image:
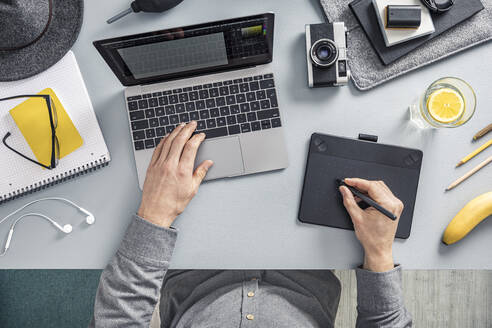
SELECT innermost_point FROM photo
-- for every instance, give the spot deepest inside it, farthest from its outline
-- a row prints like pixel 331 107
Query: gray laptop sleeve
pixel 367 69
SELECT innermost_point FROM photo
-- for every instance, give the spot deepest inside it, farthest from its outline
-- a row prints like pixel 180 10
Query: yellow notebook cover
pixel 32 119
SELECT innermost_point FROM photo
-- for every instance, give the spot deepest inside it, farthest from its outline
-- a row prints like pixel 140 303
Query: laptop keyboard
pixel 221 109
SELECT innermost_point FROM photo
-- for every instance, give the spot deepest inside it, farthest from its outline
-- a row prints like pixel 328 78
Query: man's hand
pixel 170 183
pixel 374 230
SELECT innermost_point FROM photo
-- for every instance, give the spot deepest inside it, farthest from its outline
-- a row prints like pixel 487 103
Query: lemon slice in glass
pixel 445 105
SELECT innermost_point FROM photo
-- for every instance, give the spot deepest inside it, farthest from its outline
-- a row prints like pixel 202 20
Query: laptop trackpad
pixel 226 155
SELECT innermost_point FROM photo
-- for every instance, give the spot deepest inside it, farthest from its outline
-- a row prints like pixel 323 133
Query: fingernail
pixel 193 122
pixel 182 124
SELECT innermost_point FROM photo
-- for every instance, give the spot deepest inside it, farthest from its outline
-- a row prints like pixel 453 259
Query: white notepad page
pixel 18 175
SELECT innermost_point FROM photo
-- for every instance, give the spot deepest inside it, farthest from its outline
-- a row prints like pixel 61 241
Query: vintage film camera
pixel 326 49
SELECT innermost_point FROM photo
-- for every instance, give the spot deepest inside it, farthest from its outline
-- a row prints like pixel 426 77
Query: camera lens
pixel 324 52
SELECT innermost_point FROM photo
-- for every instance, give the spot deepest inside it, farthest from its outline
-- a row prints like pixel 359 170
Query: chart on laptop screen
pixel 175 55
pixel 180 50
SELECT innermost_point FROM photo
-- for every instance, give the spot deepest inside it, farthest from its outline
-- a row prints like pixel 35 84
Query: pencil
pixel 475 153
pixel 482 132
pixel 469 174
pixel 368 200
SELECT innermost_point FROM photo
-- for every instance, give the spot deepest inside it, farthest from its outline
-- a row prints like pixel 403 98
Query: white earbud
pixel 90 219
pixel 67 228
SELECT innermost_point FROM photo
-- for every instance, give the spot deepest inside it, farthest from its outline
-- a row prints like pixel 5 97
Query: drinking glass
pixel 447 103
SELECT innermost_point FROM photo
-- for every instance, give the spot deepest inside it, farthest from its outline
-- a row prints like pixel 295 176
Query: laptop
pixel 218 74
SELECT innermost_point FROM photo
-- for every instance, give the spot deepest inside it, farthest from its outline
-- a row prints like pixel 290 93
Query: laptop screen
pixel 187 51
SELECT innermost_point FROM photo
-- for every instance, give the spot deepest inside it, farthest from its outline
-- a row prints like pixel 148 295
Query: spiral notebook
pixel 19 176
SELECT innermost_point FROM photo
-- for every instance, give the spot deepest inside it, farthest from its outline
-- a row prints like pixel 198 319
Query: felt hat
pixel 35 34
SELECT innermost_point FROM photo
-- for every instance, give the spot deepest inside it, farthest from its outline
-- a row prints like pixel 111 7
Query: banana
pixel 468 218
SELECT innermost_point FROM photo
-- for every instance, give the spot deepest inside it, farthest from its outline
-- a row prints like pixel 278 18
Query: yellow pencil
pixel 470 173
pixel 473 154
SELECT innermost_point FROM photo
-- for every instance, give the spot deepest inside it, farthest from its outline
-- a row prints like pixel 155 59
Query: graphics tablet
pixel 332 157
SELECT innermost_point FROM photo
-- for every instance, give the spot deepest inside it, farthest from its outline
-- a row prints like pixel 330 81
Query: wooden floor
pixel 444 298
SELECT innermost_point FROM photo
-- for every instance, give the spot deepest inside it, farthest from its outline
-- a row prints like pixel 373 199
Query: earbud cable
pixel 37 201
pixel 30 214
pixel 11 230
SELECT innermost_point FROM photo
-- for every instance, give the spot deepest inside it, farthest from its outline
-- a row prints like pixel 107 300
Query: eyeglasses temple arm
pixel 4 140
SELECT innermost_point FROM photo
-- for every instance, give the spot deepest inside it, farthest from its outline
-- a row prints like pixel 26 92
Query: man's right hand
pixel 171 183
pixel 374 230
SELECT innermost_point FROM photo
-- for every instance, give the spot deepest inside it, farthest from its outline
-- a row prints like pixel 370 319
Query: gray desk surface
pixel 251 222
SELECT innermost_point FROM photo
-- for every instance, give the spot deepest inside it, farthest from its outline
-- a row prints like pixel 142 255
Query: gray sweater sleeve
pixel 129 286
pixel 380 299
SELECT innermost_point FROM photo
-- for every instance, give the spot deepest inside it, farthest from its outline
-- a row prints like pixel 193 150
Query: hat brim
pixel 50 48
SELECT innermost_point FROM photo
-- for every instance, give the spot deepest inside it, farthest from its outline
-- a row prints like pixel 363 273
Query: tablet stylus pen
pixel 370 202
